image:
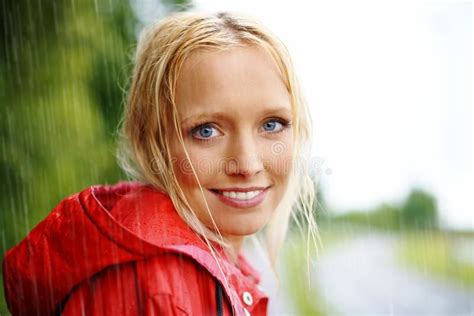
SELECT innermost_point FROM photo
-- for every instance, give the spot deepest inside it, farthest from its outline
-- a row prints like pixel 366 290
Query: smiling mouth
pixel 239 195
pixel 241 198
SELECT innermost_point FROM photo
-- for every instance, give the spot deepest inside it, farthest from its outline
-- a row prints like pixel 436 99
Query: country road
pixel 362 277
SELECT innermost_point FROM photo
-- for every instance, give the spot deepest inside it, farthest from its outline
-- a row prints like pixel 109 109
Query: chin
pixel 241 232
pixel 242 226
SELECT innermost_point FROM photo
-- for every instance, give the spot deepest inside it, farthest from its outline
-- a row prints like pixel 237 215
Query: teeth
pixel 241 195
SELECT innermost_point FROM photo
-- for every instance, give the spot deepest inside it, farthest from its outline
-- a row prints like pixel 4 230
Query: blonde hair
pixel 151 113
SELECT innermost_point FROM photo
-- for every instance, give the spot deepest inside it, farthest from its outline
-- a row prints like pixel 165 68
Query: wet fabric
pixel 123 250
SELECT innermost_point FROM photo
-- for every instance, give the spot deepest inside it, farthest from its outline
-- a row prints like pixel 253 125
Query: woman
pixel 212 131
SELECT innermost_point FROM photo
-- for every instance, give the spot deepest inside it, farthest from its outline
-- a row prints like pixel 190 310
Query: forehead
pixel 236 80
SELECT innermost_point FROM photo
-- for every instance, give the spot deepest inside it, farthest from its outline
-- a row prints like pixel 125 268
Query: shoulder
pixel 167 284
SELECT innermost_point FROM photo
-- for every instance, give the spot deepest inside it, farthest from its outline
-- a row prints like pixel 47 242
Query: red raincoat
pixel 123 250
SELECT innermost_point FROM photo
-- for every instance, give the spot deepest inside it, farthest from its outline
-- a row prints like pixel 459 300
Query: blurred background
pixel 389 85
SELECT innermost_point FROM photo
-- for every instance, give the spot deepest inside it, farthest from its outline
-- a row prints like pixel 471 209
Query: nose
pixel 244 158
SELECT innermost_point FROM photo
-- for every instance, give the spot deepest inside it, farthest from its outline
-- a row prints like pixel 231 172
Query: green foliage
pixel 55 132
pixel 386 217
pixel 420 210
pixel 437 254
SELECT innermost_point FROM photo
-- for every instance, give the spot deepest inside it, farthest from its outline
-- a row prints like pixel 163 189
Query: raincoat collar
pixel 144 221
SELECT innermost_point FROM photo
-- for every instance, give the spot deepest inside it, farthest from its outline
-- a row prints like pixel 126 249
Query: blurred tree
pixel 54 130
pixel 420 210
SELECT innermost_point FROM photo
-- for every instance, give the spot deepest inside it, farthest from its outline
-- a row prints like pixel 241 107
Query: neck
pixel 236 243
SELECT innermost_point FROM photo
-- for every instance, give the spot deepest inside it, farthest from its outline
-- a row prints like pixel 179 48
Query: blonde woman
pixel 212 132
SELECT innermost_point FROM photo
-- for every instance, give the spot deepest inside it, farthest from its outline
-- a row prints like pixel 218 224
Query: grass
pixel 434 253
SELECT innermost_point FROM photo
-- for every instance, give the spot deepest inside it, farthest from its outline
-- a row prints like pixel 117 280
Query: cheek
pixel 182 168
pixel 201 162
pixel 279 159
pixel 184 173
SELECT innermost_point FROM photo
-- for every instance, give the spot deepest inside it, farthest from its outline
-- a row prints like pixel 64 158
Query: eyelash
pixel 285 125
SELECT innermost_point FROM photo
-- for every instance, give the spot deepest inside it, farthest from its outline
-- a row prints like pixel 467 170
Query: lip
pixel 239 203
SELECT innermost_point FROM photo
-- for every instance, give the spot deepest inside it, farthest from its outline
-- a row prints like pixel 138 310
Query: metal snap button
pixel 247 297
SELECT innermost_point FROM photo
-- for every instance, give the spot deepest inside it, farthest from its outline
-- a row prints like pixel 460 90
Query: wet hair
pixel 150 115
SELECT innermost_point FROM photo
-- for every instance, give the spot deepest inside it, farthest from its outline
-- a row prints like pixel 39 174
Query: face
pixel 235 115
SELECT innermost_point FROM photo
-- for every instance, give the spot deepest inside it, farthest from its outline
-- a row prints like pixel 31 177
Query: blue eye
pixel 204 132
pixel 272 126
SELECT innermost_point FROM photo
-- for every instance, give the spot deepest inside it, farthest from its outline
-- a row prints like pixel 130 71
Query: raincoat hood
pixel 100 227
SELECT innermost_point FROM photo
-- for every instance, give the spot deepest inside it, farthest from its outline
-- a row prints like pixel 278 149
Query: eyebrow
pixel 223 115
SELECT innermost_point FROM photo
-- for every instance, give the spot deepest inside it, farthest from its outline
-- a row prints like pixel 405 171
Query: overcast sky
pixel 389 84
